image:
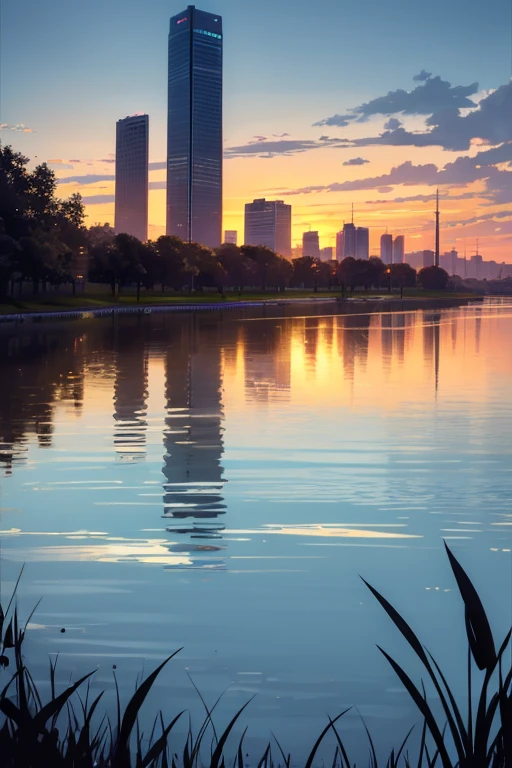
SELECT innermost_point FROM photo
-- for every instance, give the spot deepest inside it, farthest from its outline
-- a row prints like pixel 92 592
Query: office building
pixel 311 245
pixel 327 254
pixel 349 240
pixel 269 222
pixel 194 127
pixel 428 258
pixel 231 236
pixel 386 248
pixel 362 243
pixel 398 249
pixel 131 186
pixel 339 246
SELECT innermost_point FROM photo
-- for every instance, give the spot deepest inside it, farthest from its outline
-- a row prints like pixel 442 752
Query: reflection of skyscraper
pixel 132 148
pixel 194 127
pixel 267 361
pixel 130 395
pixel 356 333
pixel 193 437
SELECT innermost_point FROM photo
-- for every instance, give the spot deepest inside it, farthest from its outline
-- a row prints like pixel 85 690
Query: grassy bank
pixel 51 302
pixel 67 732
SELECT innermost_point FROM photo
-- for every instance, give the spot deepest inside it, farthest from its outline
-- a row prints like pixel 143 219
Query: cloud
pixel 90 178
pixel 421 198
pixel 280 135
pixel 490 121
pixel 422 76
pixel 157 185
pixel 431 96
pixel 98 199
pixel 61 164
pixel 161 166
pixel 356 161
pixel 482 217
pixel 392 124
pixel 257 139
pixel 282 147
pixel 20 128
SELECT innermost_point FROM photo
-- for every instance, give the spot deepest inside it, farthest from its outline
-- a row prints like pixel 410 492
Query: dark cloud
pixel 421 198
pixel 158 166
pixel 482 217
pixel 356 161
pixel 406 173
pixel 392 124
pixel 280 135
pixel 90 178
pixel 98 199
pixel 157 185
pixel 431 96
pixel 422 76
pixel 490 121
pixel 281 147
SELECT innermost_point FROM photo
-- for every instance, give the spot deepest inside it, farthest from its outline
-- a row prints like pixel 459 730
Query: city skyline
pixel 377 138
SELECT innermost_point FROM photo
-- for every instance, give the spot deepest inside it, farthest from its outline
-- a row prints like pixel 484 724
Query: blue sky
pixel 70 70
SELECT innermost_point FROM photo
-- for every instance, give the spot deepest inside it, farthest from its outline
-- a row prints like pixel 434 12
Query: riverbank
pixel 67 307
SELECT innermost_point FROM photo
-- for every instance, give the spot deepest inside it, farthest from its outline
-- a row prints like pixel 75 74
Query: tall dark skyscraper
pixel 132 150
pixel 194 127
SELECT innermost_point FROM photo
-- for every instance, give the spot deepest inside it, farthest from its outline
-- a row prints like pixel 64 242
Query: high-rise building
pixel 339 246
pixel 327 254
pixel 269 222
pixel 311 245
pixel 362 243
pixel 398 249
pixel 349 240
pixel 194 127
pixel 429 258
pixel 386 248
pixel 231 236
pixel 132 154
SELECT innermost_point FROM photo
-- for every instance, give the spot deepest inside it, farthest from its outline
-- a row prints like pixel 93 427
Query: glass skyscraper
pixel 131 201
pixel 194 127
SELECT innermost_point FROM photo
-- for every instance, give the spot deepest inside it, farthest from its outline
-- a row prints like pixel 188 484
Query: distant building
pixel 231 236
pixel 326 254
pixel 132 155
pixel 362 243
pixel 428 258
pixel 194 127
pixel 349 240
pixel 398 249
pixel 339 246
pixel 269 222
pixel 386 248
pixel 414 259
pixel 311 244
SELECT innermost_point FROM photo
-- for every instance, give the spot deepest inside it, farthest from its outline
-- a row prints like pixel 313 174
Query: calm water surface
pixel 219 482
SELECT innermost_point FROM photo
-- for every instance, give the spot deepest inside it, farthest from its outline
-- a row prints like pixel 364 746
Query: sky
pixel 325 105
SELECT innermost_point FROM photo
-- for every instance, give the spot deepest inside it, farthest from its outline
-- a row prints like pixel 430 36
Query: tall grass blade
pixel 160 744
pixel 216 757
pixel 311 757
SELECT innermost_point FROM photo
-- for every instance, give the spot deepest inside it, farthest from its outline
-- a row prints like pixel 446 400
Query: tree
pixel 433 278
pixel 239 269
pixel 266 262
pixel 403 275
pixel 169 266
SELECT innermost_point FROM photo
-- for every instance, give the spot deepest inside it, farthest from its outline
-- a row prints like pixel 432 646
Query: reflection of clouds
pixel 324 531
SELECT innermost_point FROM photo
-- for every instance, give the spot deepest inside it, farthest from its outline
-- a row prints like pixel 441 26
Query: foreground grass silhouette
pixel 37 735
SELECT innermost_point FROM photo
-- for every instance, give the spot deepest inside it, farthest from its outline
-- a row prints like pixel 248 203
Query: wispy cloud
pixel 267 148
pixel 356 161
pixel 20 128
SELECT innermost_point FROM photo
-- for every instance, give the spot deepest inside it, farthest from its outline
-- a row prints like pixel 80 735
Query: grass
pixel 51 302
pixel 60 732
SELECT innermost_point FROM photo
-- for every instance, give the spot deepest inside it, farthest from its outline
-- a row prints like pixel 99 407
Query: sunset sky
pixel 325 105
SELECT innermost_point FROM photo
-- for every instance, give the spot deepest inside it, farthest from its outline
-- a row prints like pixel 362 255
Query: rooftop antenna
pixel 436 257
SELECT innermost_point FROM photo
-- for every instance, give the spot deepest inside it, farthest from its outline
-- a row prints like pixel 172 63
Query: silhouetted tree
pixel 403 275
pixel 433 278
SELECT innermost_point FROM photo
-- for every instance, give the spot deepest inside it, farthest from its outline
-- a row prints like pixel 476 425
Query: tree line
pixel 43 238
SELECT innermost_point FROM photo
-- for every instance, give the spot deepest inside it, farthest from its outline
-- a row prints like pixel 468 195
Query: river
pixel 220 481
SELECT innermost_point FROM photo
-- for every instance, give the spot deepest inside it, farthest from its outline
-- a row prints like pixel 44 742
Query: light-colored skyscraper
pixel 362 243
pixel 194 127
pixel 269 222
pixel 132 154
pixel 398 249
pixel 339 246
pixel 231 236
pixel 311 245
pixel 349 240
pixel 386 248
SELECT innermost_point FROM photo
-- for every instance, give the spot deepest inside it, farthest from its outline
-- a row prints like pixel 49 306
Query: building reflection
pixel 355 333
pixel 193 488
pixel 131 363
pixel 267 360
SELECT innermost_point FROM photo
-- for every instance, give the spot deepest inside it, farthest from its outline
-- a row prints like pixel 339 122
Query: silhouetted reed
pixel 474 734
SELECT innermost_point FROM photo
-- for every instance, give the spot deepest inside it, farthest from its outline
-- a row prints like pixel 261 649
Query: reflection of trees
pixel 39 367
pixel 394 328
pixel 193 433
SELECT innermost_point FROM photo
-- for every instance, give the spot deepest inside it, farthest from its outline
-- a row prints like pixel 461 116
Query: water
pixel 219 482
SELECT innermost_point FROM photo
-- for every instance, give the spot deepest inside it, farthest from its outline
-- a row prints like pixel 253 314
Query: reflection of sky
pixel 323 447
